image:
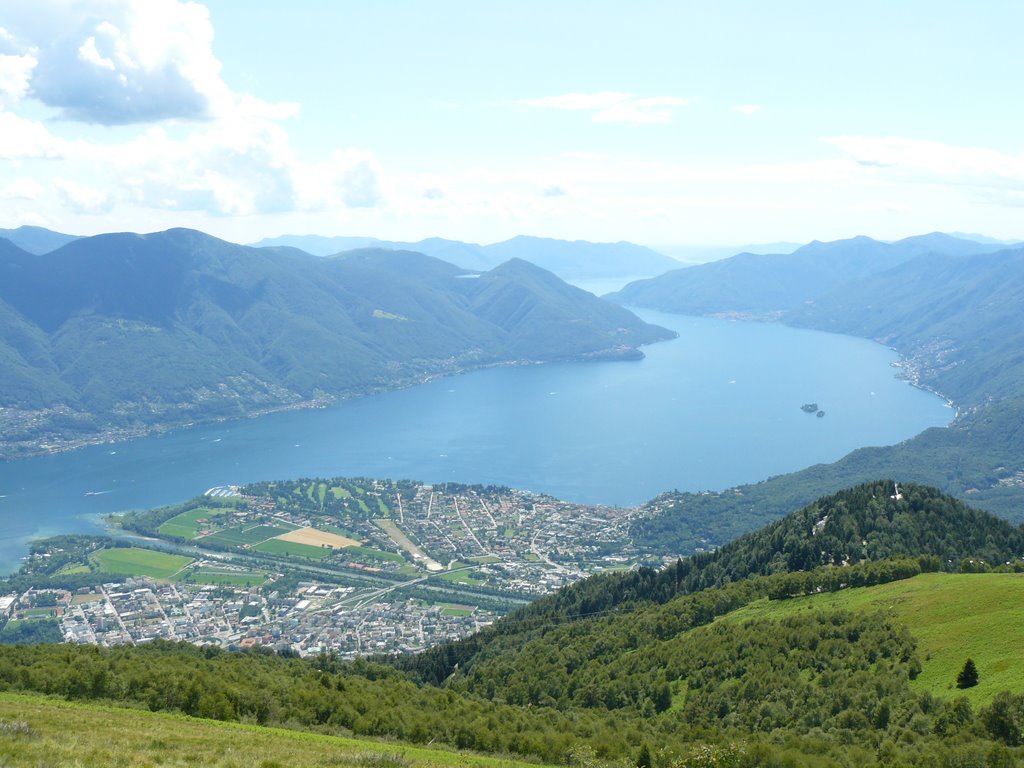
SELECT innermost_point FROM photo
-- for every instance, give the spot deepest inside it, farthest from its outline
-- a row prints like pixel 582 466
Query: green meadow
pixel 134 561
pixel 953 617
pixel 293 549
pixel 188 524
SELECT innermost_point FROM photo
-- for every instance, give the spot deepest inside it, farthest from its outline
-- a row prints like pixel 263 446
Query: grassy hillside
pixel 36 731
pixel 952 616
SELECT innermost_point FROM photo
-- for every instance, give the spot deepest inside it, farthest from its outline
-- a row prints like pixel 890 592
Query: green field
pixel 64 735
pixel 485 559
pixel 187 525
pixel 462 577
pixel 241 535
pixel 457 609
pixel 375 554
pixel 952 616
pixel 294 549
pixel 134 561
pixel 73 568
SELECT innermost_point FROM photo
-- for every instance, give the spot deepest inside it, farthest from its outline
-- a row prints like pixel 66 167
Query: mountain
pixel 570 260
pixel 580 259
pixel 954 318
pixel 864 523
pixel 36 240
pixel 767 284
pixel 127 331
pixel 701 254
pixel 957 319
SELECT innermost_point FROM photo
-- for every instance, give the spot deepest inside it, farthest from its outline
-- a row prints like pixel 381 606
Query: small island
pixel 809 407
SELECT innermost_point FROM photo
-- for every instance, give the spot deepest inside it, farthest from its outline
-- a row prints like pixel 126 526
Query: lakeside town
pixel 347 566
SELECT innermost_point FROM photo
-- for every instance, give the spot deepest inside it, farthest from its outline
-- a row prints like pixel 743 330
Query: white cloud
pixel 27 139
pixel 613 106
pixel 15 73
pixel 22 189
pixel 117 62
pixel 83 199
pixel 746 109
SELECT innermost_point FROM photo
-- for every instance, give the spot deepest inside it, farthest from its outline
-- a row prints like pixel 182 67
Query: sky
pixel 662 123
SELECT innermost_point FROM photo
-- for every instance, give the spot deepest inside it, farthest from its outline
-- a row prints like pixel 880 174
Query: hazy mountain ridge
pixel 761 285
pixel 578 259
pixel 954 316
pixel 128 331
pixel 37 240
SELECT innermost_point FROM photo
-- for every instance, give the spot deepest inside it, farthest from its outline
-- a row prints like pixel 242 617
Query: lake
pixel 717 407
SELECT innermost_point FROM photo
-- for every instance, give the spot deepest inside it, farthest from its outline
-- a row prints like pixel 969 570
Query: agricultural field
pixel 134 561
pixel 952 616
pixel 243 535
pixel 316 538
pixel 293 549
pixel 187 525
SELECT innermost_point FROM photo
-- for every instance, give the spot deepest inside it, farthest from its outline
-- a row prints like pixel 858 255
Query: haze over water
pixel 715 408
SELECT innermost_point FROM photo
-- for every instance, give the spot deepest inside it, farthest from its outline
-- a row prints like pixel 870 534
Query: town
pixel 350 567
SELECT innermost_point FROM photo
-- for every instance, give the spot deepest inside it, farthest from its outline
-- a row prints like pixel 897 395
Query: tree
pixel 968 677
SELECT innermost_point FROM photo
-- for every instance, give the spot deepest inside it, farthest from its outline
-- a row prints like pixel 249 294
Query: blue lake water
pixel 717 407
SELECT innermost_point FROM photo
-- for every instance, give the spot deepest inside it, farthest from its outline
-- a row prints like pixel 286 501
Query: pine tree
pixel 968 677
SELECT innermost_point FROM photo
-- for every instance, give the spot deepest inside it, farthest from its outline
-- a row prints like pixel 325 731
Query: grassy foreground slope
pixel 951 616
pixel 36 730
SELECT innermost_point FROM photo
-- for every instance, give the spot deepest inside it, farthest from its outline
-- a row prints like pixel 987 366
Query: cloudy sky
pixel 668 122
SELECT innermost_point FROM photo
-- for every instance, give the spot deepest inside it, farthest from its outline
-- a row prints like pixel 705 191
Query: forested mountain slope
pixel 761 285
pixel 127 331
pixel 865 523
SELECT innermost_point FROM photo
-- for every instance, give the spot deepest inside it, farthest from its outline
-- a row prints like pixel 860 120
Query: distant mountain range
pixel 951 307
pixel 756 284
pixel 570 260
pixel 125 332
pixel 36 240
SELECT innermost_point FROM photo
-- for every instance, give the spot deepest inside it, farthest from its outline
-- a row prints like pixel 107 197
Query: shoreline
pixel 116 435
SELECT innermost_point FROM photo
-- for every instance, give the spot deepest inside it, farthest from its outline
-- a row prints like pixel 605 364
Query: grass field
pixel 187 525
pixel 457 609
pixel 73 568
pixel 462 577
pixel 294 549
pixel 133 561
pixel 240 536
pixel 376 554
pixel 65 735
pixel 952 616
